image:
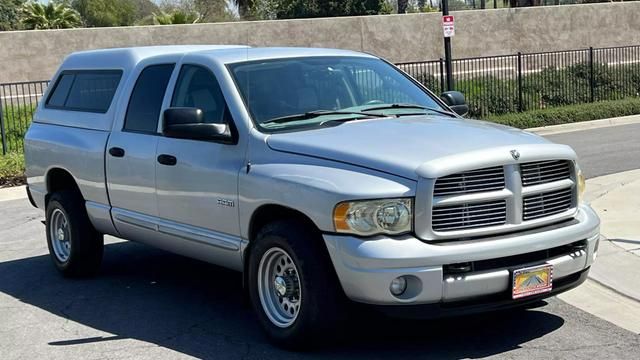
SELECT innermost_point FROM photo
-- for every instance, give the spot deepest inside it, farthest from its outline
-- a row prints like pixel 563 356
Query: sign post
pixel 448 28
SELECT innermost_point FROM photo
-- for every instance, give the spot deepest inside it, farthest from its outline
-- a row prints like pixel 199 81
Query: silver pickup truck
pixel 322 175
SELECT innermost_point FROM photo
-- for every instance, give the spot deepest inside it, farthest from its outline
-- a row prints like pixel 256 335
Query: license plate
pixel 532 281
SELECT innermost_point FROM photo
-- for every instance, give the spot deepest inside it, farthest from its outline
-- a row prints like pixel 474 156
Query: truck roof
pixel 127 58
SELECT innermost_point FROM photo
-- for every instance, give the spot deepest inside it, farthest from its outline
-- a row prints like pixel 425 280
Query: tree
pixel 288 9
pixel 244 7
pixel 102 13
pixel 51 16
pixel 10 14
pixel 209 10
pixel 144 8
pixel 402 6
pixel 175 17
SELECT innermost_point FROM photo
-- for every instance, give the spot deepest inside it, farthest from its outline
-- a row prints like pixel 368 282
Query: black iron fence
pixel 522 82
pixel 492 85
pixel 17 104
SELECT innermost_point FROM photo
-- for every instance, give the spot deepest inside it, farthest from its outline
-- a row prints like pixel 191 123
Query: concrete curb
pixel 13 193
pixel 585 125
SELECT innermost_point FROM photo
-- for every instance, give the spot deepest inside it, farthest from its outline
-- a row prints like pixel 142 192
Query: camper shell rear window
pixel 84 90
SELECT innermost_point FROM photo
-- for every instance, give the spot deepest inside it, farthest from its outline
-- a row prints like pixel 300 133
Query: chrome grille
pixel 543 172
pixel 546 204
pixel 469 216
pixel 481 180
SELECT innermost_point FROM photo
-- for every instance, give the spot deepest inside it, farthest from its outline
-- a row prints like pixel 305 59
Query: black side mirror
pixel 456 102
pixel 188 123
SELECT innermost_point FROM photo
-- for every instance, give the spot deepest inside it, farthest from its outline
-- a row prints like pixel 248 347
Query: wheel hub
pixel 58 228
pixel 279 287
pixel 286 286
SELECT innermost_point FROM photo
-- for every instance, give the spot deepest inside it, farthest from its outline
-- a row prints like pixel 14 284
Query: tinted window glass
pixel 90 91
pixel 60 92
pixel 279 88
pixel 146 99
pixel 198 88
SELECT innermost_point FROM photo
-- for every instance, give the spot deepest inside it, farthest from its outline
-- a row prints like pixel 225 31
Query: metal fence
pixel 522 82
pixel 17 103
pixel 492 85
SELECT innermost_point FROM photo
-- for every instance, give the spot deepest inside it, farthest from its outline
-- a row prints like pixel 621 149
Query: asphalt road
pixel 149 304
pixel 606 150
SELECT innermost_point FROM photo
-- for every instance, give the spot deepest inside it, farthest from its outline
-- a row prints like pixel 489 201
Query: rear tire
pixel 304 306
pixel 75 247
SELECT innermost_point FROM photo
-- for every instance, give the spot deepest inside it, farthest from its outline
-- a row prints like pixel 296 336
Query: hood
pixel 419 146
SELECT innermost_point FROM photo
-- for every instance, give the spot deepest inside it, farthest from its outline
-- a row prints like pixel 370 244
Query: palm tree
pixel 175 17
pixel 51 16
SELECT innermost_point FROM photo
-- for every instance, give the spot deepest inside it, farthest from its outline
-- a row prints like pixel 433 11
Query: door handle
pixel 116 152
pixel 168 160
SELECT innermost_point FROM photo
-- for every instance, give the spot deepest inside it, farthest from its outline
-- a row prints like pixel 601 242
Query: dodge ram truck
pixel 327 177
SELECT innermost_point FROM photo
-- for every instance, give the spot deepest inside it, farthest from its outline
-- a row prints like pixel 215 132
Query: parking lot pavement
pixel 149 304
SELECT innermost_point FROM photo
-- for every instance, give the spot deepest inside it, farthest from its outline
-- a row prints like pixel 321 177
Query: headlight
pixel 387 216
pixel 581 184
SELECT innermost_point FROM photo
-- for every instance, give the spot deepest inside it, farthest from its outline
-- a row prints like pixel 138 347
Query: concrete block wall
pixel 35 55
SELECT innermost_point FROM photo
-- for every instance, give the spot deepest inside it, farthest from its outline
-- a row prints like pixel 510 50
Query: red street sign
pixel 448 26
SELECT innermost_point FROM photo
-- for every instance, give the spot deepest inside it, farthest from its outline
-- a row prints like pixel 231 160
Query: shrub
pixel 430 81
pixel 11 169
pixel 17 119
pixel 489 95
pixel 570 113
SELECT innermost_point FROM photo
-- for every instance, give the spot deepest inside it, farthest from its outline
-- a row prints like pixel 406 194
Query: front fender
pixel 313 189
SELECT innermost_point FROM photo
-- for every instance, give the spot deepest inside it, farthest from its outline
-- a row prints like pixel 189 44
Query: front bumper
pixel 366 267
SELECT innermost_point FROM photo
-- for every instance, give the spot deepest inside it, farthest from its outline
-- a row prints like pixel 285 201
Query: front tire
pixel 293 287
pixel 75 247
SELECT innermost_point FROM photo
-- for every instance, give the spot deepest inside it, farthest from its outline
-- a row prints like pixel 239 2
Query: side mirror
pixel 188 123
pixel 456 102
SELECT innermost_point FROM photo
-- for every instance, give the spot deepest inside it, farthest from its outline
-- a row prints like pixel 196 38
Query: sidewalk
pixel 13 193
pixel 612 291
pixel 616 199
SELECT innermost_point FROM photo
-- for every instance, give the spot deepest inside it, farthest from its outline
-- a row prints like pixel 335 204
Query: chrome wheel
pixel 279 287
pixel 60 235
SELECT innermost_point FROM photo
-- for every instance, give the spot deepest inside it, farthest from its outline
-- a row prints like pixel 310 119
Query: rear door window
pixel 145 103
pixel 88 91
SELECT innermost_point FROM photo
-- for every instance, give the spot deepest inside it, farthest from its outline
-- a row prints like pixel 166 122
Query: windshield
pixel 283 94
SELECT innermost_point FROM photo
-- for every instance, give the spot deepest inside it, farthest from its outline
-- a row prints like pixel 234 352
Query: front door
pixel 198 192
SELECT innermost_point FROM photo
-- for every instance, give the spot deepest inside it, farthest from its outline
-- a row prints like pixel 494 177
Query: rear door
pixel 131 156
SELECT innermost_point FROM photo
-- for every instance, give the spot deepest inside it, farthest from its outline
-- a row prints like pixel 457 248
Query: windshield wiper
pixel 409 106
pixel 316 113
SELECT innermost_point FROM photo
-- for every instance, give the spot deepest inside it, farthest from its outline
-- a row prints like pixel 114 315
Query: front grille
pixel 542 172
pixel 481 180
pixel 469 216
pixel 546 204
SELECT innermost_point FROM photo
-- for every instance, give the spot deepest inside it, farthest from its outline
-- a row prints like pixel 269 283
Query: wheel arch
pixel 60 179
pixel 264 215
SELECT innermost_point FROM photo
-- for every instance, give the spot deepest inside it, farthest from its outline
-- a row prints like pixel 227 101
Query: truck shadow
pixel 198 309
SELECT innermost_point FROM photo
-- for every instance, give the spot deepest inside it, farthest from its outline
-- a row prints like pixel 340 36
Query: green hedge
pixel 17 119
pixel 11 169
pixel 489 95
pixel 570 113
